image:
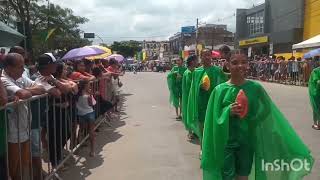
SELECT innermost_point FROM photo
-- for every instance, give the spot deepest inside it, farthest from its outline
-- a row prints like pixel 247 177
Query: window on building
pixel 256 23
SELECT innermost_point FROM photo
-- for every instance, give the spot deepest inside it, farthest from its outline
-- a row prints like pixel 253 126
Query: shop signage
pixel 256 40
pixel 188 29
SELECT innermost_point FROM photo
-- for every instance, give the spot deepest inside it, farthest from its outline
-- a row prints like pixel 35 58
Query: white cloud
pixel 116 20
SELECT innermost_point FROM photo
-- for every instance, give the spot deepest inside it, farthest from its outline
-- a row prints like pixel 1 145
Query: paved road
pixel 149 144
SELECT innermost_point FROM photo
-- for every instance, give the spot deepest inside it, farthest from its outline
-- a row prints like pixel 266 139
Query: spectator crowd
pixel 49 108
pixel 293 71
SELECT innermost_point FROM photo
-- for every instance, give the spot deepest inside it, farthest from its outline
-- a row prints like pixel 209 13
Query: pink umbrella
pixel 216 54
pixel 79 53
pixel 117 57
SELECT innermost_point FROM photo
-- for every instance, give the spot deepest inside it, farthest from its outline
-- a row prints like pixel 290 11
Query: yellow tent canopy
pixel 102 56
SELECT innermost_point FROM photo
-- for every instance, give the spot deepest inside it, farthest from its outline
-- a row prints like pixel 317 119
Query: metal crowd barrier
pixel 264 72
pixel 51 129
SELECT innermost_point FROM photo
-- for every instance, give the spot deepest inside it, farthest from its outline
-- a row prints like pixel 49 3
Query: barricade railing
pixel 40 134
pixel 275 72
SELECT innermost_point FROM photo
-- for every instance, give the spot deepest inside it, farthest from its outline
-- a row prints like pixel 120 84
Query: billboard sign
pixel 89 35
pixel 188 29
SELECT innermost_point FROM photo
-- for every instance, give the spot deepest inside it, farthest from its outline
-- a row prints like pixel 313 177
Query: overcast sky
pixel 116 20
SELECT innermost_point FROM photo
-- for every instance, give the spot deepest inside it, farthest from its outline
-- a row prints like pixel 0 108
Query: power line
pixel 161 36
pixel 133 37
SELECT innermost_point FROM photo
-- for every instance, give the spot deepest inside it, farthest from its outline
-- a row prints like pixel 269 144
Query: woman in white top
pixel 85 111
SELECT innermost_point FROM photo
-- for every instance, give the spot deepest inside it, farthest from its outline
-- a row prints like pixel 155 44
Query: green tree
pixel 126 48
pixel 65 24
pixel 105 45
pixel 39 20
pixel 6 13
pixel 21 9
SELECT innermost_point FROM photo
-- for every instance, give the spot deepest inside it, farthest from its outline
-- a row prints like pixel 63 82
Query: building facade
pixel 270 28
pixel 209 36
pixel 156 50
pixel 175 42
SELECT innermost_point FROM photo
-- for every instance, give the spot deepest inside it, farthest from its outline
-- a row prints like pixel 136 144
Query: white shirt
pixel 115 84
pixel 295 66
pixel 26 72
pixel 19 119
pixel 83 106
pixel 40 80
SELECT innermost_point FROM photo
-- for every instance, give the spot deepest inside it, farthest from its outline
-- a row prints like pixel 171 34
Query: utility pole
pixel 100 38
pixel 48 21
pixel 197 34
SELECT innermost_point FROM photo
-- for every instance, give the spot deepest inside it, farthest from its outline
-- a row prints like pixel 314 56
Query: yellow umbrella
pixel 102 56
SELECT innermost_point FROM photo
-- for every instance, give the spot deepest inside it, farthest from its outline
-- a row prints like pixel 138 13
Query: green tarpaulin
pixel 9 36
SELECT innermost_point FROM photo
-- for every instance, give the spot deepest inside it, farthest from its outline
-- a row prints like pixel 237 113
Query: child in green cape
pixel 174 80
pixel 186 84
pixel 205 79
pixel 244 131
pixel 314 94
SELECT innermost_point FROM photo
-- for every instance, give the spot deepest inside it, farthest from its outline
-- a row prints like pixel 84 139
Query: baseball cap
pixel 46 59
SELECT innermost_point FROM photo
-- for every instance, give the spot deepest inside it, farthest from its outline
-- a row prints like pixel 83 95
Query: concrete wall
pixel 311 19
pixel 241 26
pixel 286 14
pixel 286 20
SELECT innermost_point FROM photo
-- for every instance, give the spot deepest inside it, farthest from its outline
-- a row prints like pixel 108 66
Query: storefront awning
pixel 310 43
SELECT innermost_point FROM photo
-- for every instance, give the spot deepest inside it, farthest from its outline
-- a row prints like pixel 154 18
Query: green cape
pixel 186 84
pixel 314 93
pixel 198 98
pixel 265 127
pixel 175 84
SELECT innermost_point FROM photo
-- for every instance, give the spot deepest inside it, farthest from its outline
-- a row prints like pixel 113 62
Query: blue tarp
pixel 313 53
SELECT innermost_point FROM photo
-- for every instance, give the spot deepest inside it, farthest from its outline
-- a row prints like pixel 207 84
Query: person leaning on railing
pixel 113 69
pixel 80 72
pixel 105 91
pixel 20 87
pixel 61 75
pixel 37 106
pixel 3 102
pixel 56 89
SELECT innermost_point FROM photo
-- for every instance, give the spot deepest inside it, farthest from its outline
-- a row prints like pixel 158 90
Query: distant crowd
pixel 294 71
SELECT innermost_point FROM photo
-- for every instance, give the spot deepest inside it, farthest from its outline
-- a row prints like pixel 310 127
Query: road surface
pixel 148 143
